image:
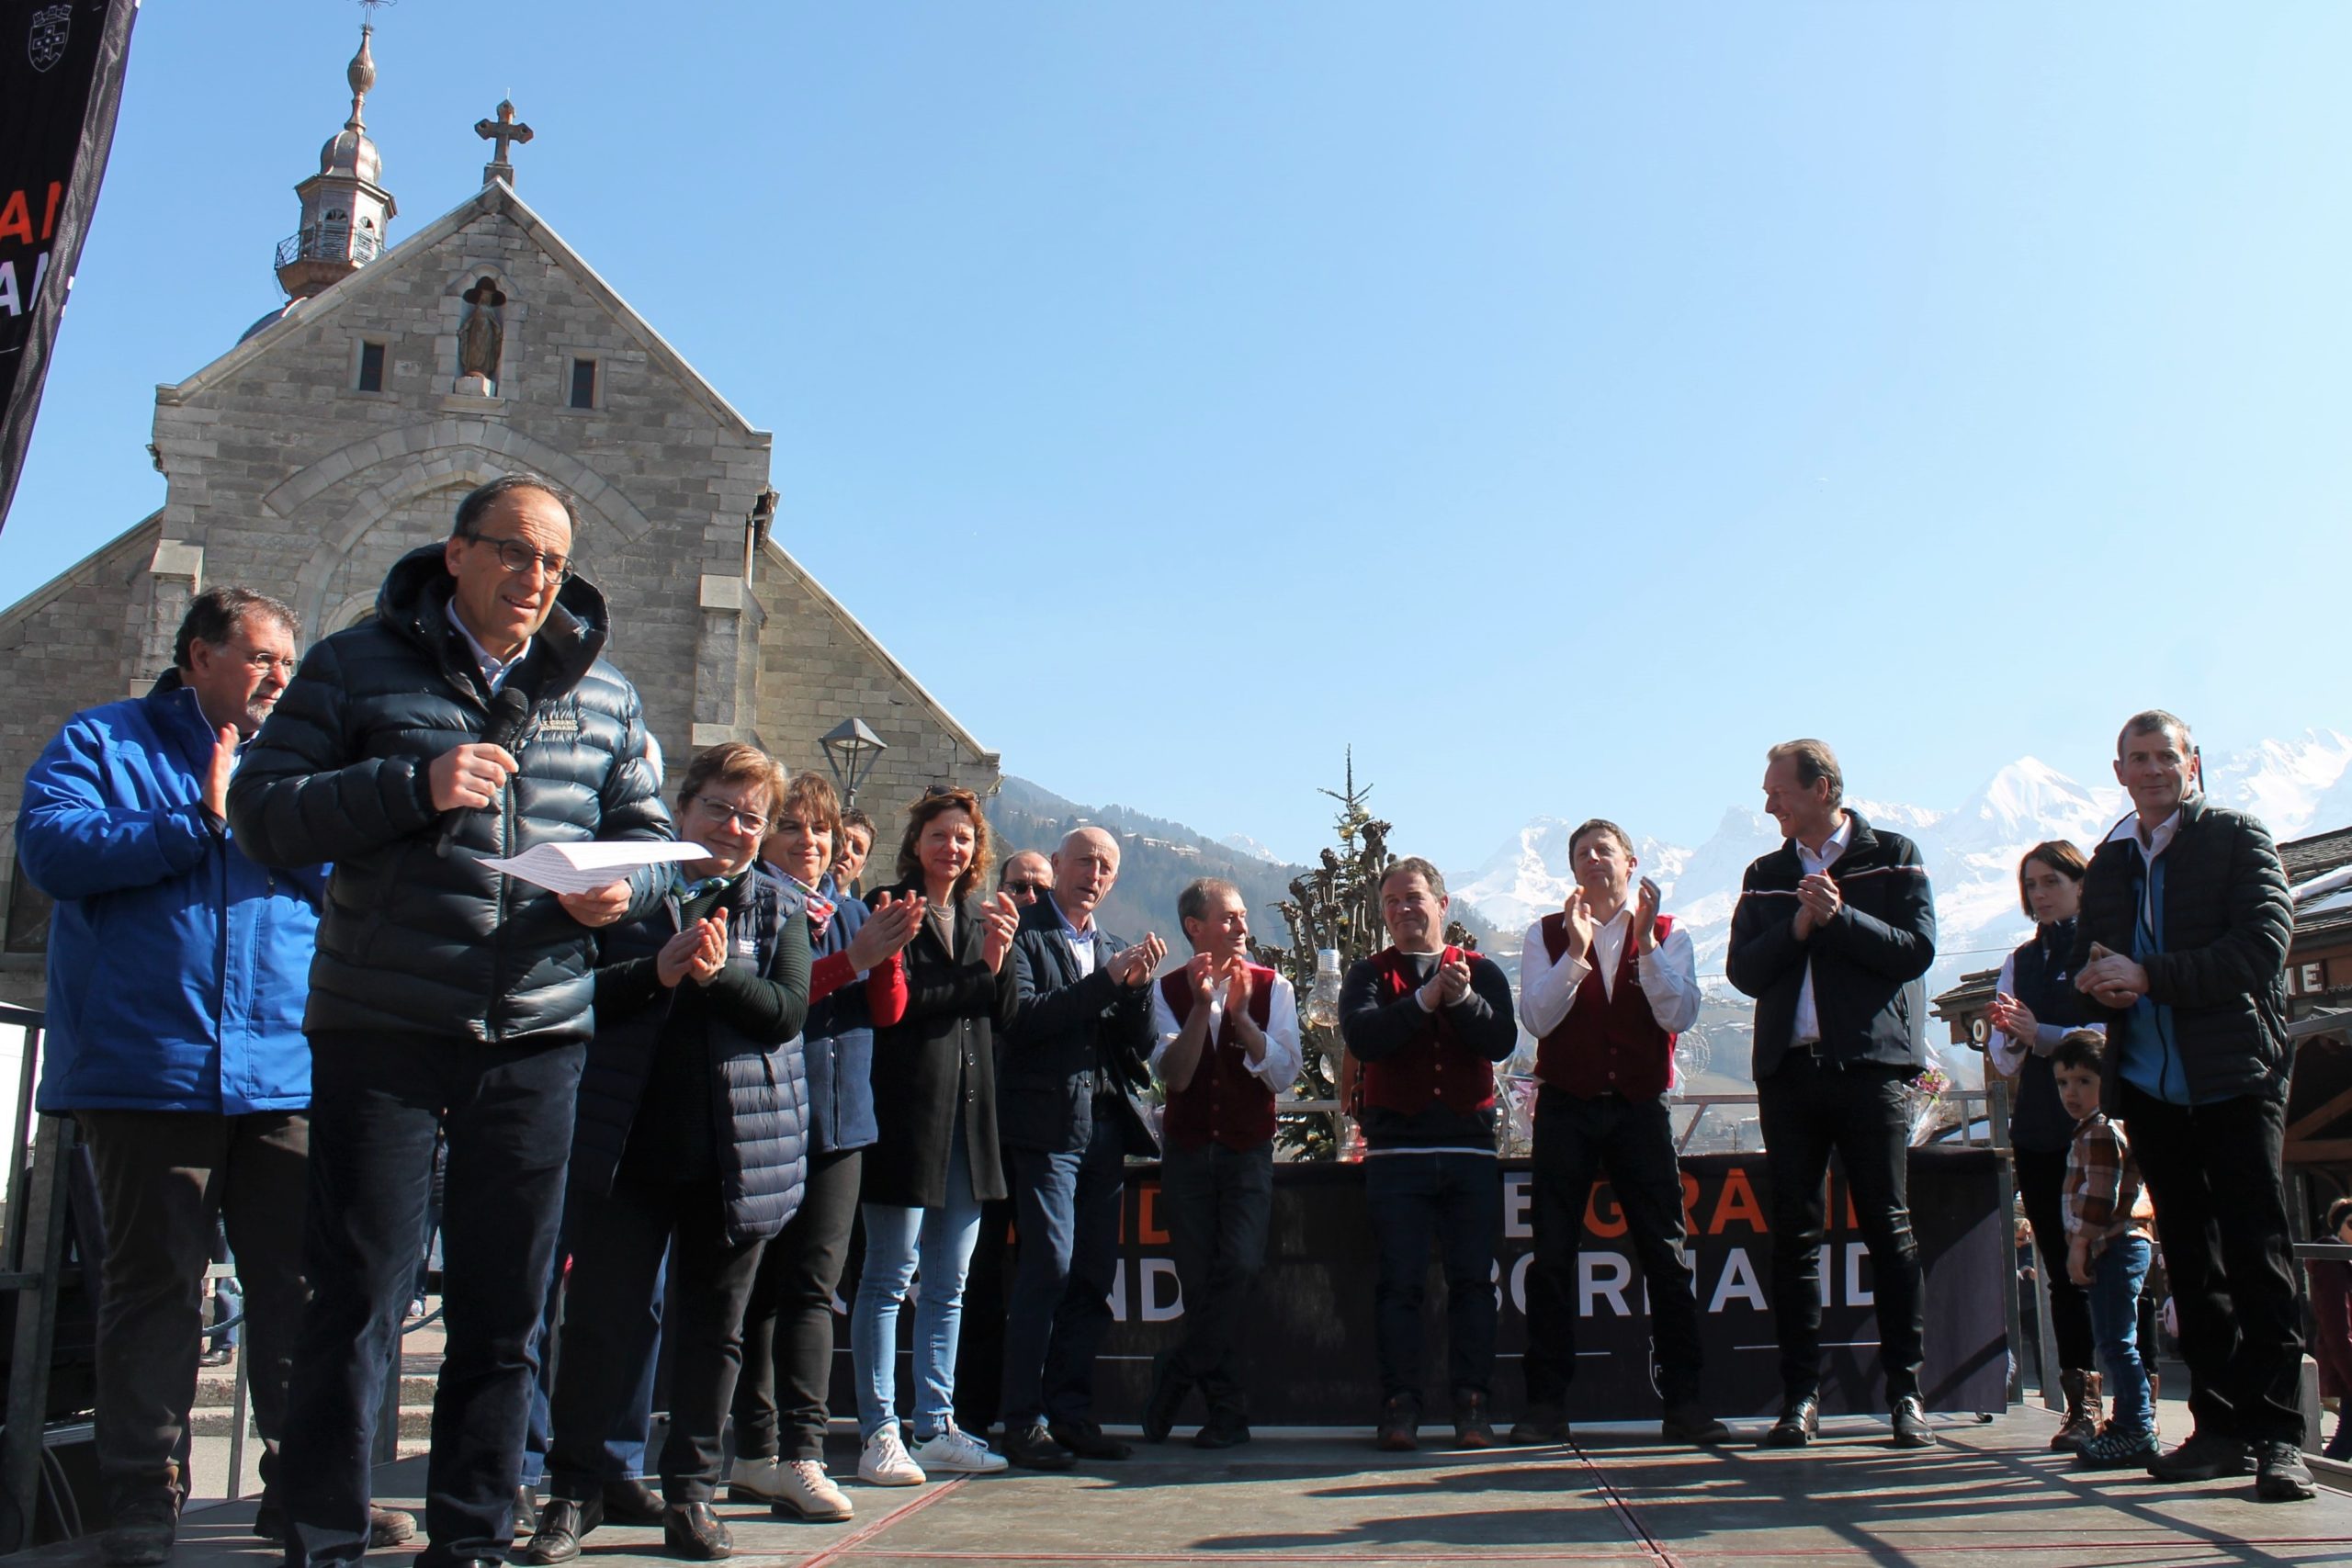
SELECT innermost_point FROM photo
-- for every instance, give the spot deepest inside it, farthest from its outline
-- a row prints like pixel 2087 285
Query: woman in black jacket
pixel 2034 1005
pixel 934 1160
pixel 692 1138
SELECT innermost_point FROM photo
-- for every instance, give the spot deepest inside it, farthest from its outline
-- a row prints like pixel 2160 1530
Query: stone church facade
pixel 341 431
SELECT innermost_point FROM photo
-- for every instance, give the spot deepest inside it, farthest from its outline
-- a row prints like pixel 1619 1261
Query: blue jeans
pixel 624 1445
pixel 902 1244
pixel 1060 1306
pixel 377 1101
pixel 1455 1200
pixel 2116 1275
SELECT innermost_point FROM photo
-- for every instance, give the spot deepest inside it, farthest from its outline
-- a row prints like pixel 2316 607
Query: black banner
pixel 1307 1346
pixel 60 82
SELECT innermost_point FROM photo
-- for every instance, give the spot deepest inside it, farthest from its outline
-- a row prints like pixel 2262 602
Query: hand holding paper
pixel 591 864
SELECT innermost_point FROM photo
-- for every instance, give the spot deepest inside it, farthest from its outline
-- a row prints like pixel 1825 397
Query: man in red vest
pixel 1605 985
pixel 1228 1034
pixel 1428 1023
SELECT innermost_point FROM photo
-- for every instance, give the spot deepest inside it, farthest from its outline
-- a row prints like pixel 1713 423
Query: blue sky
pixel 1560 403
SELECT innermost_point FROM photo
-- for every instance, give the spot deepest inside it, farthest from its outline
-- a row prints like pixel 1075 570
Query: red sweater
pixel 1610 1043
pixel 1224 1102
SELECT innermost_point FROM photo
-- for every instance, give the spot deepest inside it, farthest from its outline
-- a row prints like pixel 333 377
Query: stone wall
pixel 64 648
pixel 820 666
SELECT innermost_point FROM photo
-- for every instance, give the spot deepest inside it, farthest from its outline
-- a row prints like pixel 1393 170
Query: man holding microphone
pixel 471 717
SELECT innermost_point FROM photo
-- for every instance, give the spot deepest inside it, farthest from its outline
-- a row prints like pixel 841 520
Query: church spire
pixel 344 210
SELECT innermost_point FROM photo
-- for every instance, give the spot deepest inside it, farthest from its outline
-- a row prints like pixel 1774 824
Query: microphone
pixel 510 714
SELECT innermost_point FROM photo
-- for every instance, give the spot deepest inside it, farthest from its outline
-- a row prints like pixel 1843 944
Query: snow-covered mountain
pixel 1244 844
pixel 2296 786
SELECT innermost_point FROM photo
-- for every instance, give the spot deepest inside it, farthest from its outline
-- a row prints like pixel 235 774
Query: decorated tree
pixel 1333 913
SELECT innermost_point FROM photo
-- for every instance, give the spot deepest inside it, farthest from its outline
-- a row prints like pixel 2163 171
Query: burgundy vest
pixel 1607 1043
pixel 1436 1068
pixel 1225 1102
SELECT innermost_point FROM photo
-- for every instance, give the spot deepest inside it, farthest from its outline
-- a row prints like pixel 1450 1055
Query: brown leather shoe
pixel 1473 1427
pixel 1399 1430
pixel 693 1531
pixel 2081 1422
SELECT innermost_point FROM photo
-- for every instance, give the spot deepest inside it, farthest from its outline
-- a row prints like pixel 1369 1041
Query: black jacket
pixel 2227 920
pixel 733 1046
pixel 1071 1036
pixel 1869 962
pixel 410 941
pixel 936 1064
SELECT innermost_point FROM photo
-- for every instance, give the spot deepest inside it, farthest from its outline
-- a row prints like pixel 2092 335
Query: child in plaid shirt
pixel 2108 1250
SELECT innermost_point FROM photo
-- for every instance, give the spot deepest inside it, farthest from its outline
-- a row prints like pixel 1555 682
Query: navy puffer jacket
pixel 412 941
pixel 749 1022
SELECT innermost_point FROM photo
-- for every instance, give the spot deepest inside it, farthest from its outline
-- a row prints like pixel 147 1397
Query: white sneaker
pixel 753 1481
pixel 956 1449
pixel 805 1490
pixel 885 1461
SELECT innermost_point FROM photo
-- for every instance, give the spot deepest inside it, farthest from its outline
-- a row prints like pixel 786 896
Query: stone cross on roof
pixel 503 130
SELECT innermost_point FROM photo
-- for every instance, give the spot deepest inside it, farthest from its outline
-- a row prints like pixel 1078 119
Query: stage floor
pixel 1993 1494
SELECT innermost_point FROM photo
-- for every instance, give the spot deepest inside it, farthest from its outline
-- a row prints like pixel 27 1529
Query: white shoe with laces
pixel 884 1461
pixel 753 1481
pixel 956 1449
pixel 805 1492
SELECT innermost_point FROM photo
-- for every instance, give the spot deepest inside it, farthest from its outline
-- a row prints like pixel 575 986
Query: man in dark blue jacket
pixel 2182 945
pixel 1833 936
pixel 177 970
pixel 1069 1114
pixel 445 993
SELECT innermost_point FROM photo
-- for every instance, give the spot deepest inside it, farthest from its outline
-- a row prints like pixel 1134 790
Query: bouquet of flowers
pixel 1925 1094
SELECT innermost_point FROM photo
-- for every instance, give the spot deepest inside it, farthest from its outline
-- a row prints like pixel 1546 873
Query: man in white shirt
pixel 1228 1048
pixel 1605 985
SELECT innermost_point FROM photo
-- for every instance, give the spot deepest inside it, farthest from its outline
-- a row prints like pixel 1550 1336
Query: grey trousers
pixel 163 1175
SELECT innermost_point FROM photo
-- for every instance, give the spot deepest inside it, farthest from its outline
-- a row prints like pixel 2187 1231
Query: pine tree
pixel 1336 906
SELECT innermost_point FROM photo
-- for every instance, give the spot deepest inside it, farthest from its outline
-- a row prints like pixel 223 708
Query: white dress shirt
pixel 1278 1071
pixel 1808 1020
pixel 1668 976
pixel 1081 943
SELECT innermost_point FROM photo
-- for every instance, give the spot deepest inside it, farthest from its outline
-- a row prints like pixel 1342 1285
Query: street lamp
pixel 851 750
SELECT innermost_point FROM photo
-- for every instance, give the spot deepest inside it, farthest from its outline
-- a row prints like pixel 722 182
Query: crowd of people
pixel 281 974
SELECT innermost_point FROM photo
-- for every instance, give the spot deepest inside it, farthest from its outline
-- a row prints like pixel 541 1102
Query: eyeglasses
pixel 1027 889
pixel 519 558
pixel 719 812
pixel 266 662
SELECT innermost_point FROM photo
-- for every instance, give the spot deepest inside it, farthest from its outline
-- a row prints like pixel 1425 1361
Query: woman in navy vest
pixel 691 1139
pixel 2035 1005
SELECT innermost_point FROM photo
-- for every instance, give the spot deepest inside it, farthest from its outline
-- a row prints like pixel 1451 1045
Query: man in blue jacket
pixel 177 972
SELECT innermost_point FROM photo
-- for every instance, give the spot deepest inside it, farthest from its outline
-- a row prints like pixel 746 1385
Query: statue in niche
pixel 481 337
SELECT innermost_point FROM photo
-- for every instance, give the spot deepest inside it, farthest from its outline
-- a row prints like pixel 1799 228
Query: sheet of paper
pixel 585 867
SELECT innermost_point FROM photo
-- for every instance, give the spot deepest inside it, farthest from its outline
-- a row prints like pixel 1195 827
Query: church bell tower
pixel 344 210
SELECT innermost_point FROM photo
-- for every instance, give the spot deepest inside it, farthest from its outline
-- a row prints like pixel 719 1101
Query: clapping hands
pixel 1134 967
pixel 889 927
pixel 698 953
pixel 1001 918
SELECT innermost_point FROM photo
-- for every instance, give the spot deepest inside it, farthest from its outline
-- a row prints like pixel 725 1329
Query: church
pixel 340 432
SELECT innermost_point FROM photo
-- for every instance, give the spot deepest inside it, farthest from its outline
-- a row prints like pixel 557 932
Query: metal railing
pixel 329 242
pixel 32 1247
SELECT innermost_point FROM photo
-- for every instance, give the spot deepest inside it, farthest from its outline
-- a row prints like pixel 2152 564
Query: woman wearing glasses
pixel 934 1160
pixel 691 1139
